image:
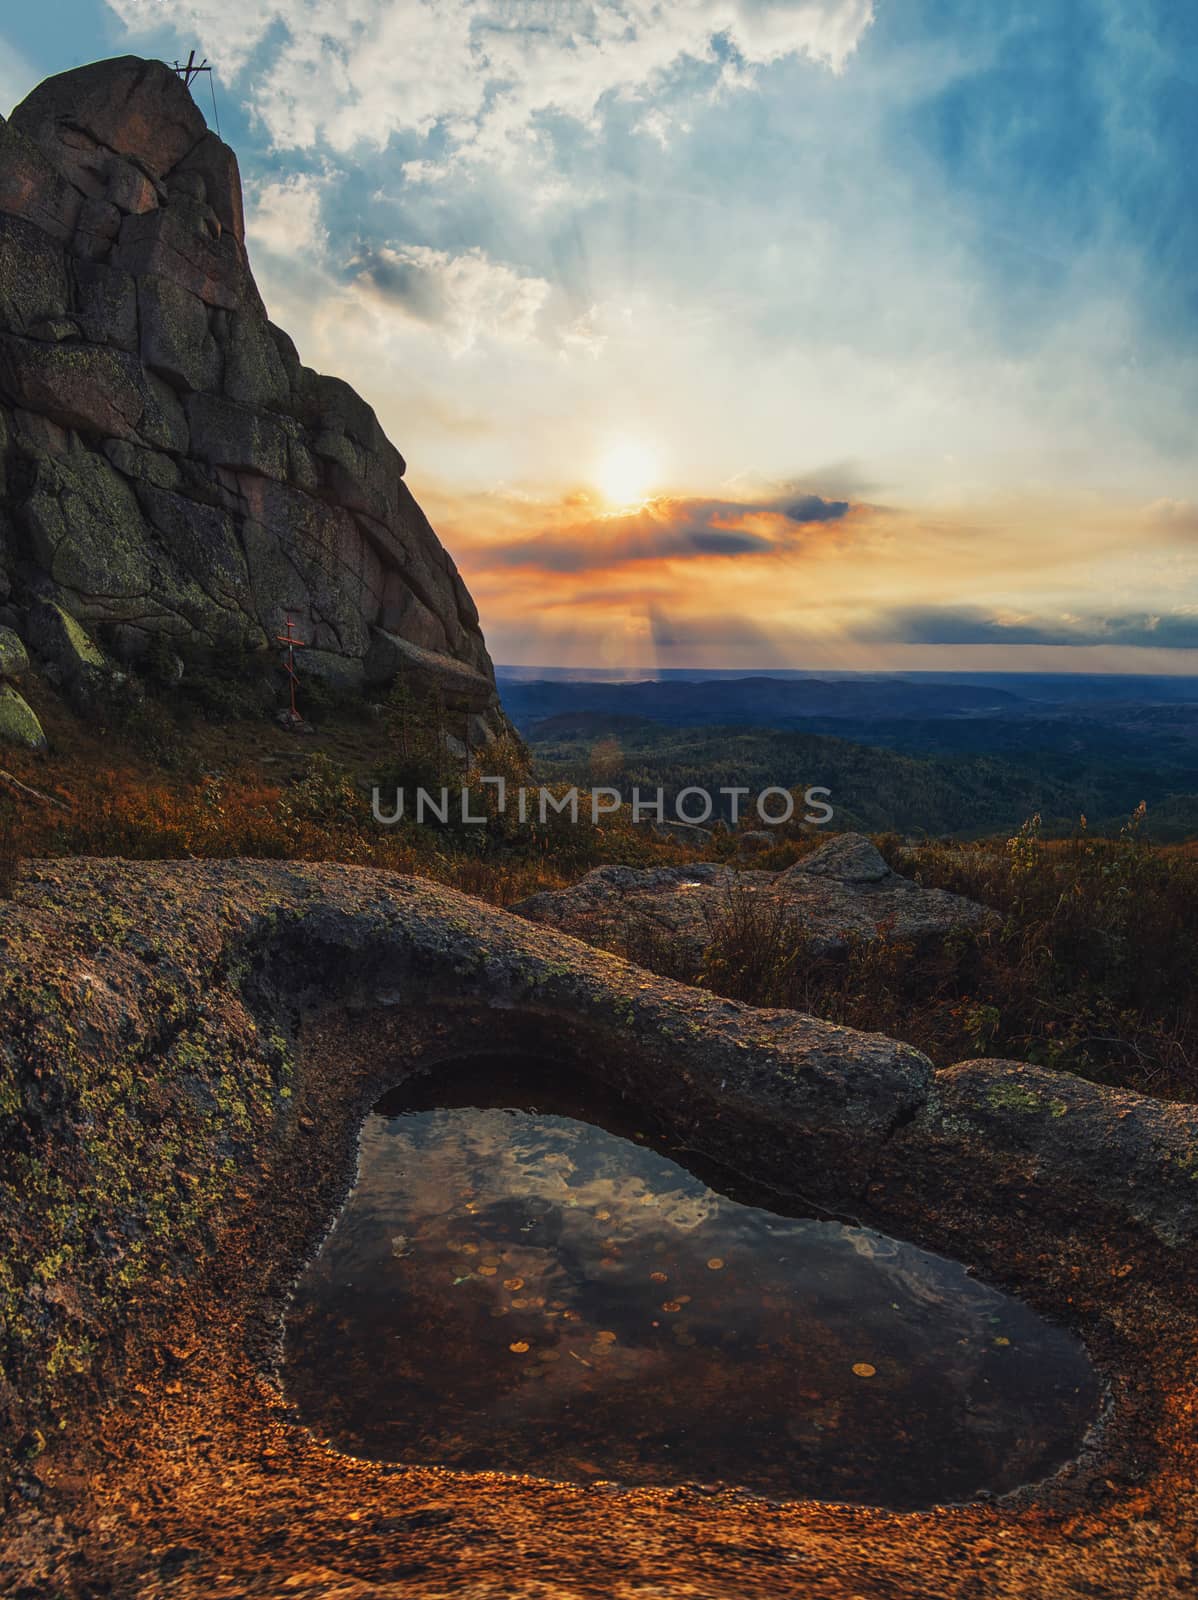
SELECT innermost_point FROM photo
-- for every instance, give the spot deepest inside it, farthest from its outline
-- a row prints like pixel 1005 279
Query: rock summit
pixel 172 477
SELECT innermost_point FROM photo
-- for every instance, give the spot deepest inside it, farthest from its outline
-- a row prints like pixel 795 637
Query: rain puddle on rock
pixel 523 1291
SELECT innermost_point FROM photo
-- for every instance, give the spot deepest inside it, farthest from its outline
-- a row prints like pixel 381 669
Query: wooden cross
pixel 293 644
pixel 189 70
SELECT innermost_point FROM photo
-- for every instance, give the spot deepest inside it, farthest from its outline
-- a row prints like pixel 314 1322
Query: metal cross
pixel 293 644
pixel 189 70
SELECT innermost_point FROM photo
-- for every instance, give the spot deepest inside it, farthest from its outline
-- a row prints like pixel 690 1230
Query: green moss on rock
pixel 14 660
pixel 18 724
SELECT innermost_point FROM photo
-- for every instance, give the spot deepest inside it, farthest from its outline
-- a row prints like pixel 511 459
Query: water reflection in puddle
pixel 525 1292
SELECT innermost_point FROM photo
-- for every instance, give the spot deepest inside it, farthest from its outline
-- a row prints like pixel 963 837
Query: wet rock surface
pixel 841 893
pixel 187 1051
pixel 169 471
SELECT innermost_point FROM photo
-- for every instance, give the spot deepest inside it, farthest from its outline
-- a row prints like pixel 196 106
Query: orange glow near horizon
pixel 728 577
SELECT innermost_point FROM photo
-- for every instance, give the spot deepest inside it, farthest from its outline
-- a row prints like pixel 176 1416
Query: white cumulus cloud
pixel 284 216
pixel 480 72
pixel 468 296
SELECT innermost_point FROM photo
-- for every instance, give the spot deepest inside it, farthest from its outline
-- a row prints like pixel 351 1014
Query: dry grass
pixel 320 812
pixel 1092 970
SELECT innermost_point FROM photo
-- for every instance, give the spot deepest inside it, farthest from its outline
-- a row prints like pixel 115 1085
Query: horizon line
pixel 648 672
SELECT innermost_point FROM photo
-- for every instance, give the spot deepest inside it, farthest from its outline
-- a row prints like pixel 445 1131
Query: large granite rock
pixel 168 466
pixel 842 893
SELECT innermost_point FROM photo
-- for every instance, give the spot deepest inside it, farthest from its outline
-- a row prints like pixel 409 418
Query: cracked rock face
pixel 843 892
pixel 168 468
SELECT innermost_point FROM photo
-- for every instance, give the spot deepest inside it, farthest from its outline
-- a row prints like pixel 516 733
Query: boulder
pixel 847 858
pixel 97 230
pixel 18 723
pixel 14 658
pixel 183 242
pixel 175 341
pixel 137 464
pixel 84 529
pixel 255 374
pixel 69 655
pixel 842 893
pixel 33 187
pixel 170 466
pixel 163 422
pixel 81 386
pixel 208 173
pixel 430 672
pixel 226 435
pixel 136 109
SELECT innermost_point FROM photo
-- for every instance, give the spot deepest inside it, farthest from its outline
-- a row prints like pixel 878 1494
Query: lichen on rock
pixel 19 725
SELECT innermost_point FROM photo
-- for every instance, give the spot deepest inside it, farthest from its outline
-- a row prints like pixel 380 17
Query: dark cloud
pixel 1176 631
pixel 406 283
pixel 814 508
pixel 972 625
pixel 723 541
pixel 665 529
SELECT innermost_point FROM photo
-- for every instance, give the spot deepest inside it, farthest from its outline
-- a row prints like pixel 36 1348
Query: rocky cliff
pixel 172 478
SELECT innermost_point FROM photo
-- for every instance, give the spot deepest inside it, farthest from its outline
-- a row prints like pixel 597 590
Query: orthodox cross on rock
pixel 288 638
pixel 189 70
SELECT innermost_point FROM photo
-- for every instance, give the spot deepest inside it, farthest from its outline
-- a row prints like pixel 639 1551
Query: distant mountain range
pixel 919 753
pixel 784 699
pixel 753 702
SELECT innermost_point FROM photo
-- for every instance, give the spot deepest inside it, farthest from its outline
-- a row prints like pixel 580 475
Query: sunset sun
pixel 627 472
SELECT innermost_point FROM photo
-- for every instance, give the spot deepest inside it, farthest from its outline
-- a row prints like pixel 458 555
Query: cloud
pixel 467 295
pixel 1173 517
pixel 814 508
pixel 966 625
pixel 585 334
pixel 479 73
pixel 666 529
pixel 284 217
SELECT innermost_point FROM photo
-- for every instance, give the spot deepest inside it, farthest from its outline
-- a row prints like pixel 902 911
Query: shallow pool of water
pixel 526 1292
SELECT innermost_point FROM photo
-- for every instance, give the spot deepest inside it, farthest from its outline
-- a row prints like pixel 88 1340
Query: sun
pixel 627 472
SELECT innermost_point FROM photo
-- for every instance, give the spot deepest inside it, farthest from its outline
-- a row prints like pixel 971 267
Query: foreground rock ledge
pixel 185 1052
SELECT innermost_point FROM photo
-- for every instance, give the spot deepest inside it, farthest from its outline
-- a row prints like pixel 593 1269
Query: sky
pixel 741 333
